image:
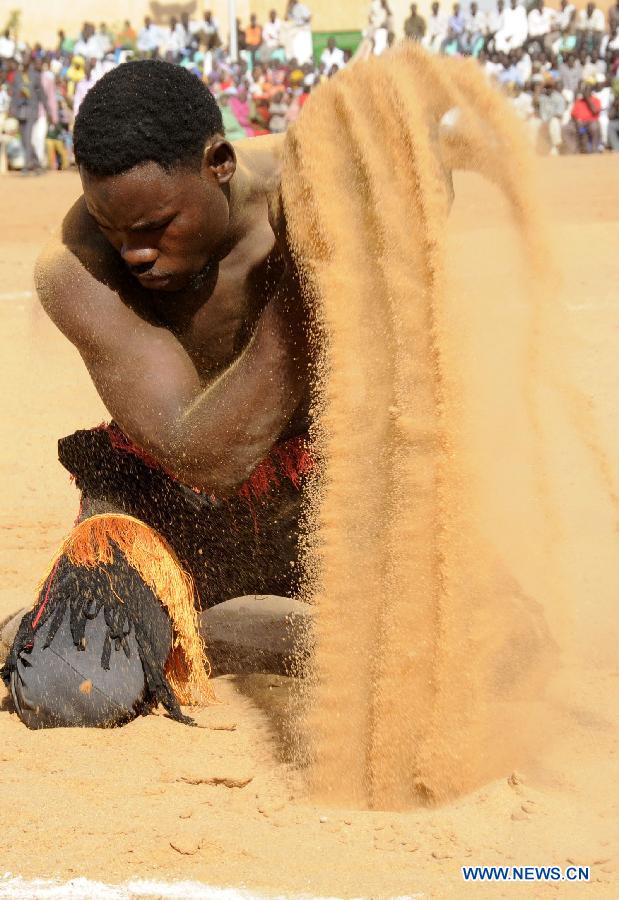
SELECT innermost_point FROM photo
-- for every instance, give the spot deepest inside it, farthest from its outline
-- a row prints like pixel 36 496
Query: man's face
pixel 435 9
pixel 168 227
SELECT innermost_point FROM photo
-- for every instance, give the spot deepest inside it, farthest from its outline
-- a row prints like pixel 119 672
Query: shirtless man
pixel 173 281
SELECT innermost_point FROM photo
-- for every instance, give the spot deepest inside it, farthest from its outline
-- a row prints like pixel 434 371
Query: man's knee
pixel 79 658
pixel 63 685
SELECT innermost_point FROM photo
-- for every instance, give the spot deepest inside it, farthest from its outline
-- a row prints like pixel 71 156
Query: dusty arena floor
pixel 221 804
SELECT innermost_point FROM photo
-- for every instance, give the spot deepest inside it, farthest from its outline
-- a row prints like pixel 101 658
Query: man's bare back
pixel 179 293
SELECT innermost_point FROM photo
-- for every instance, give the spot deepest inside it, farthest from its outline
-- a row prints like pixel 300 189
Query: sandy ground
pixel 221 804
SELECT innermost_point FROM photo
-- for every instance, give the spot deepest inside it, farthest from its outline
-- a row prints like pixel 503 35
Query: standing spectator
pixel 253 38
pixel 65 44
pixel 271 36
pixel 299 40
pixel 590 25
pixel 172 41
pixel 415 25
pixel 27 98
pixel 552 108
pixel 126 38
pixel 82 88
pixel 582 133
pixel 7 46
pixel 514 32
pixel 149 37
pixel 437 29
pixel 378 27
pixel 48 110
pixel 332 55
pixel 209 29
pixel 103 40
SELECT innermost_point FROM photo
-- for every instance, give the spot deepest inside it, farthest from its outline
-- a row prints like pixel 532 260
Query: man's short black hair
pixel 144 111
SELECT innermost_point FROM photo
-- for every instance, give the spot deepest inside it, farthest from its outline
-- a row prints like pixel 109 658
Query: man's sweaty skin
pixel 179 294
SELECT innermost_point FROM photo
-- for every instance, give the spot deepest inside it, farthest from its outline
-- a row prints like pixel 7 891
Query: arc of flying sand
pixel 353 412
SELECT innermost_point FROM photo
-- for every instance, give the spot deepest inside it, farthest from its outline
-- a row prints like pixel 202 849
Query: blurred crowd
pixel 560 69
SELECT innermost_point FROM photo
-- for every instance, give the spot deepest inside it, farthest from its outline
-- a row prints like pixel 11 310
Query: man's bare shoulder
pixel 261 159
pixel 75 270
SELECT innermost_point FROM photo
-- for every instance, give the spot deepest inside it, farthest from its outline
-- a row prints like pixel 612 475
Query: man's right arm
pixel 209 437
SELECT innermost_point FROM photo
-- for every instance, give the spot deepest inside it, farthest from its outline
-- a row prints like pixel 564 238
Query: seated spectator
pixel 436 30
pixel 582 132
pixel 55 144
pixel 522 102
pixel 567 43
pixel 233 129
pixel 590 26
pixel 565 16
pixel 493 66
pixel 613 124
pixel 415 25
pixel 475 30
pixel 277 113
pixel 240 106
pixel 594 68
pixel 454 40
pixel 539 23
pixel 511 76
pixel 551 107
pixel 514 32
pixel 610 43
pixel 332 55
pixel 523 63
pixel 496 19
pixel 571 73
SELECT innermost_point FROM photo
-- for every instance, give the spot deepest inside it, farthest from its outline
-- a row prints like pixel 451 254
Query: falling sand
pixel 140 802
pixel 429 660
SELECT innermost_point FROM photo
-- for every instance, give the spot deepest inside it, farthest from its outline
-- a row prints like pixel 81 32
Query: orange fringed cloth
pixel 191 549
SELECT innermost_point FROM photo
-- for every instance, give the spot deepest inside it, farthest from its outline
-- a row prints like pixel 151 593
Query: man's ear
pixel 220 158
